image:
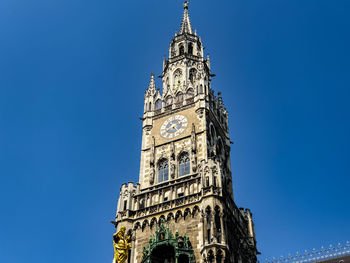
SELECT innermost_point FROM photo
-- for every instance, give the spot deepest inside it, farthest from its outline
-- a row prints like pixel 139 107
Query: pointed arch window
pixel 179 97
pixel 181 50
pixel 190 93
pixel 190 48
pixel 184 164
pixel 163 171
pixel 158 104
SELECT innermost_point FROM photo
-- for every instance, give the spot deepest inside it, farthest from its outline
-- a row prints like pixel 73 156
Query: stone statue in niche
pixel 152 151
pixel 193 139
pixel 172 171
pixel 194 163
pixel 151 176
pixel 172 150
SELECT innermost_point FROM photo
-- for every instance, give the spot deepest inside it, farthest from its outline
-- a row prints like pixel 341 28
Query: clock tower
pixel 182 209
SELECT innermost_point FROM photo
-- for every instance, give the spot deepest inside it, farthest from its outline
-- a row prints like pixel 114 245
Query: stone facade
pixel 185 172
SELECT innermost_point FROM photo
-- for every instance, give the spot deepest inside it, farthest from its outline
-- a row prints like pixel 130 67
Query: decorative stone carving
pixel 193 139
pixel 151 177
pixel 194 163
pixel 172 171
pixel 153 152
pixel 200 112
pixel 172 150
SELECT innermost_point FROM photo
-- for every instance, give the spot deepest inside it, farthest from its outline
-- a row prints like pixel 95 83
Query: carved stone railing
pixel 178 104
pixel 169 107
pixel 160 207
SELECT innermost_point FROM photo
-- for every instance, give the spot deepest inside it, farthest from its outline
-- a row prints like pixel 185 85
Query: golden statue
pixel 121 246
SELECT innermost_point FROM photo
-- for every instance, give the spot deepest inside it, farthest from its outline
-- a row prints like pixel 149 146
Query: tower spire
pixel 186 24
pixel 152 86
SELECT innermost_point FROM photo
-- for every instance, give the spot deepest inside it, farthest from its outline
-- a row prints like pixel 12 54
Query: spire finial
pixel 152 85
pixel 186 4
pixel 186 24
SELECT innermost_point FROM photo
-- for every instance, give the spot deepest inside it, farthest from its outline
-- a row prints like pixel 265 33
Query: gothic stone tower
pixel 182 209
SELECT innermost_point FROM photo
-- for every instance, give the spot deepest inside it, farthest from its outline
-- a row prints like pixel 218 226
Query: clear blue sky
pixel 72 79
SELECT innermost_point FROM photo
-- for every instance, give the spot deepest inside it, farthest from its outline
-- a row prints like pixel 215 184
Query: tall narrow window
pixel 158 104
pixel 190 48
pixel 190 93
pixel 181 50
pixel 179 97
pixel 169 101
pixel 163 171
pixel 201 89
pixel 184 165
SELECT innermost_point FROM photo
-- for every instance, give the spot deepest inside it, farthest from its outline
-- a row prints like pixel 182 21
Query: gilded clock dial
pixel 173 126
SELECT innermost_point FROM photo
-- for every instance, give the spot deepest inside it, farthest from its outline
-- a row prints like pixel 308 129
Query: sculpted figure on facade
pixel 172 170
pixel 121 246
pixel 151 176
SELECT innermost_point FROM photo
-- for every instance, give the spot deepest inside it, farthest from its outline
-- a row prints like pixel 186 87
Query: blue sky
pixel 72 79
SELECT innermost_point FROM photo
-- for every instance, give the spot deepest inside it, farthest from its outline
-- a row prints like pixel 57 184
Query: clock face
pixel 173 126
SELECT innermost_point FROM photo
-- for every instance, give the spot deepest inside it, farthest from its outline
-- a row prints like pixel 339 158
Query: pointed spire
pixel 185 24
pixel 152 85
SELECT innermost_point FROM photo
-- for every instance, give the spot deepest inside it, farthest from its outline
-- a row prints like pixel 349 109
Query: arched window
pixel 217 222
pixel 184 164
pixel 208 223
pixel 150 106
pixel 212 133
pixel 158 104
pixel 181 50
pixel 163 171
pixel 179 97
pixel 190 48
pixel 190 93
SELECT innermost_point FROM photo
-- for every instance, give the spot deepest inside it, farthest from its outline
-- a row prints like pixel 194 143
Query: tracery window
pixel 184 165
pixel 163 171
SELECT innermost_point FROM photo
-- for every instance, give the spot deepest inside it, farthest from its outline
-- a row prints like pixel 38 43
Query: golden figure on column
pixel 121 246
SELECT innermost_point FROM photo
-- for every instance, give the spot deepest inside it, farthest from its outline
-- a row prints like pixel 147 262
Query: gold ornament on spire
pixel 121 246
pixel 186 4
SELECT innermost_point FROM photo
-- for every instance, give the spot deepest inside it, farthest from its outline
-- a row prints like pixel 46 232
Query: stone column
pixel 223 232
